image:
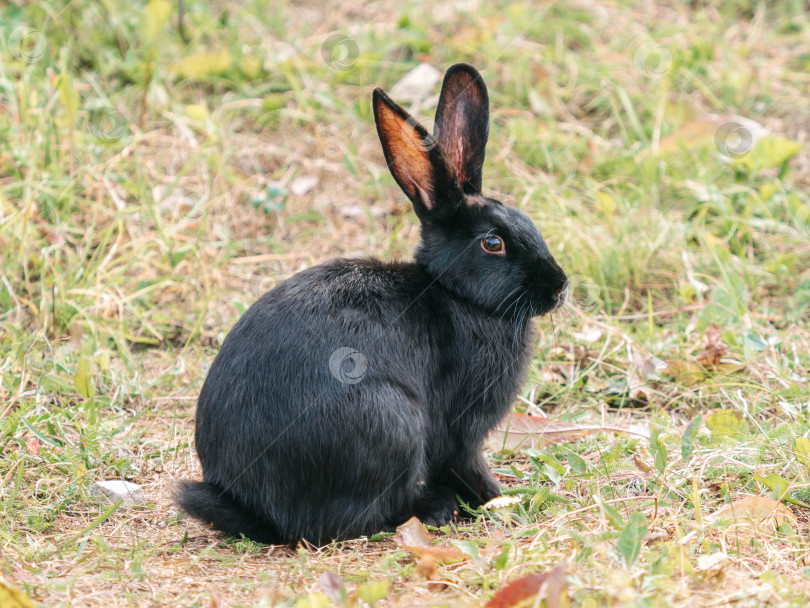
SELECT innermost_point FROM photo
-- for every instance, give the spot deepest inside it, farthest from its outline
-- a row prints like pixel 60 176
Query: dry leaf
pixel 332 585
pixel 413 537
pixel 689 135
pixel 524 431
pixel 11 597
pixel 641 465
pixel 499 502
pixel 712 565
pixel 303 184
pixel 714 349
pixel 753 509
pixel 552 585
pixel 426 567
pixel 704 130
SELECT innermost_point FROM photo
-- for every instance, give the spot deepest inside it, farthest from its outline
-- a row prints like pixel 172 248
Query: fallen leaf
pixel 552 585
pixel 374 591
pixel 11 597
pixel 714 349
pixel 641 465
pixel 413 534
pixel 200 66
pixel 728 423
pixel 695 133
pixel 426 567
pixel 499 502
pixel 313 600
pixel 153 16
pixel 753 510
pixel 774 482
pixel 712 565
pixel 705 130
pixel 301 185
pixel 413 537
pixel 332 585
pixel 769 152
pixel 524 431
pixel 801 447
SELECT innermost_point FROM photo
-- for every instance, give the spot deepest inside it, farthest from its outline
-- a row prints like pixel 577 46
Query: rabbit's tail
pixel 211 504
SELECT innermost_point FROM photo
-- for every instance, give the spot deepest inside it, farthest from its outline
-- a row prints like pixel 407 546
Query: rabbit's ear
pixel 416 161
pixel 462 123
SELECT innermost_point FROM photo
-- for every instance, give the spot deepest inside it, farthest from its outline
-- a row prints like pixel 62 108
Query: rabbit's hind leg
pixel 367 475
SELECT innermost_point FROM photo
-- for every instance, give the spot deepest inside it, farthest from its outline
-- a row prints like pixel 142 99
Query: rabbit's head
pixel 477 248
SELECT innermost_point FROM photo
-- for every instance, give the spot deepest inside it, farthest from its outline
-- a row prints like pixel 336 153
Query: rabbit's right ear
pixel 462 123
pixel 416 161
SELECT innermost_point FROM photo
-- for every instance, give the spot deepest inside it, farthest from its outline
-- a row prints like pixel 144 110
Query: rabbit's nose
pixel 562 293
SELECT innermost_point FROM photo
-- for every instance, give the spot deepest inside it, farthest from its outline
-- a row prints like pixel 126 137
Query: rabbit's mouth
pixel 551 302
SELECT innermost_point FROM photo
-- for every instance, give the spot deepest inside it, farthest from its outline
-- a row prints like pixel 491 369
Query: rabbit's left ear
pixel 416 161
pixel 462 124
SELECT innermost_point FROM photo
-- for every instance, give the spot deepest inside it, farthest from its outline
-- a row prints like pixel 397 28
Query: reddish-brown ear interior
pixel 406 145
pixel 462 123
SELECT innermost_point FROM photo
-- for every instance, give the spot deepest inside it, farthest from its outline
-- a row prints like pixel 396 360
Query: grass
pixel 147 197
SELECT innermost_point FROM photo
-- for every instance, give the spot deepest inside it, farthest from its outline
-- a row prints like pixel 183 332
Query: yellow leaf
pixel 754 509
pixel 313 600
pixel 801 446
pixel 374 591
pixel 13 598
pixel 197 112
pixel 83 381
pixel 769 152
pixel 774 482
pixel 607 203
pixel 201 65
pixel 154 16
pixel 251 67
pixel 766 191
pixel 68 96
pixel 726 423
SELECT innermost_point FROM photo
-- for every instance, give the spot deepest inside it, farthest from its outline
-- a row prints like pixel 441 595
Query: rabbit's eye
pixel 494 245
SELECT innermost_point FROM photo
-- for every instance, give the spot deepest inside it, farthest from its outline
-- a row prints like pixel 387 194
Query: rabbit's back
pixel 316 397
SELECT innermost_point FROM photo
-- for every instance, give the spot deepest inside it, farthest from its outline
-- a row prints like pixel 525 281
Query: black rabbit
pixel 358 393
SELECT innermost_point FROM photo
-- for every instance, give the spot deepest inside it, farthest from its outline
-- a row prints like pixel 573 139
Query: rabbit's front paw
pixel 474 482
pixel 488 488
pixel 438 506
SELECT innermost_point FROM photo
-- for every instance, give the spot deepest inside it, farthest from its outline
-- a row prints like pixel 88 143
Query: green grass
pixel 146 200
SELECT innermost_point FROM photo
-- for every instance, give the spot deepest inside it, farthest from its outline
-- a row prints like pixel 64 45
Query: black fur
pixel 358 393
